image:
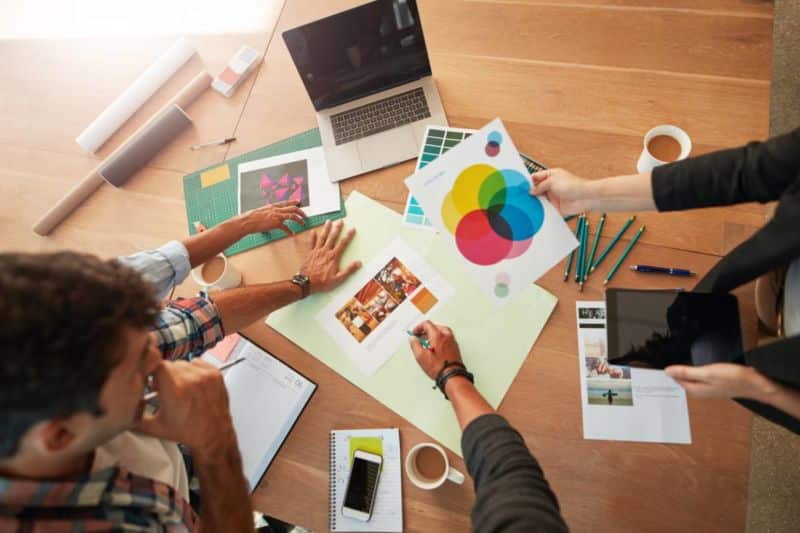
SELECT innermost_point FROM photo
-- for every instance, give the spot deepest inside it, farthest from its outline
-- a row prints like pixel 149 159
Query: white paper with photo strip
pixel 625 403
pixel 374 309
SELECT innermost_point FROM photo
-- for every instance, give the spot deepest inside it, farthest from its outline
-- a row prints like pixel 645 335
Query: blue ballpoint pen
pixel 662 270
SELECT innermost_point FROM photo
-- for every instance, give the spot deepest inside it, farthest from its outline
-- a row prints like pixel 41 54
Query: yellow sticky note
pixel 215 175
pixel 366 444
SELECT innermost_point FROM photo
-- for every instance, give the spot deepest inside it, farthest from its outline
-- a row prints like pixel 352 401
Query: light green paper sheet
pixel 494 342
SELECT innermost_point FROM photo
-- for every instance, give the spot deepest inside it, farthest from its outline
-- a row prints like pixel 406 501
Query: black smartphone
pixel 658 328
pixel 362 485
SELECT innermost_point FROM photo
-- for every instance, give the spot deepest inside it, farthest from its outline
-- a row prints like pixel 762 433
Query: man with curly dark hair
pixel 81 340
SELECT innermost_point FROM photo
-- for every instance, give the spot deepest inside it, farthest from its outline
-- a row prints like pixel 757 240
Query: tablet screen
pixel 662 328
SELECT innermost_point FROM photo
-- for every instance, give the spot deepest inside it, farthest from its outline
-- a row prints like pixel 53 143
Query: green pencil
pixel 569 217
pixel 624 255
pixel 585 246
pixel 616 238
pixel 594 246
pixel 581 257
pixel 572 253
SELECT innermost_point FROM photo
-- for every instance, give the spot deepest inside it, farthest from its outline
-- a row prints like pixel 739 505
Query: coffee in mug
pixel 217 274
pixel 428 468
pixel 212 270
pixel 663 144
pixel 430 464
pixel 664 148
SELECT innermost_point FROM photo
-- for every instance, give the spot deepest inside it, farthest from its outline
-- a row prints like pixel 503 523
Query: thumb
pixel 541 188
pixel 682 373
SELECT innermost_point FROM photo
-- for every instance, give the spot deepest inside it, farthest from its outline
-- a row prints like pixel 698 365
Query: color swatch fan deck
pixel 478 196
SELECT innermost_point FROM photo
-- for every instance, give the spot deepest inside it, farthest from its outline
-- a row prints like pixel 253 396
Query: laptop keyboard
pixel 379 116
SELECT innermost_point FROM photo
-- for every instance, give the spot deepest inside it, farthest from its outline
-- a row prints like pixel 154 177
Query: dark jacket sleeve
pixel 510 489
pixel 757 172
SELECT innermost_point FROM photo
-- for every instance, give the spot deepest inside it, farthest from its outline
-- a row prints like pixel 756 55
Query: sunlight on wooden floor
pixel 90 18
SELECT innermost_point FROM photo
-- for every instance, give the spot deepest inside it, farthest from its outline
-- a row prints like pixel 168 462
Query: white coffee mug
pixel 229 279
pixel 648 162
pixel 423 482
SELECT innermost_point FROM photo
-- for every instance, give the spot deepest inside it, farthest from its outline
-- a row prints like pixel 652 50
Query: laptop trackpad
pixel 387 148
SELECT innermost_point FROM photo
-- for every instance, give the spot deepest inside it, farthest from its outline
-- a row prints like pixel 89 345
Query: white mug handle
pixel 455 476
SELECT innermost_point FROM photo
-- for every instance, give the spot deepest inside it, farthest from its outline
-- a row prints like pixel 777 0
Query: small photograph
pixel 594 342
pixel 376 300
pixel 396 278
pixel 593 313
pixel 356 319
pixel 603 391
pixel 268 185
pixel 598 367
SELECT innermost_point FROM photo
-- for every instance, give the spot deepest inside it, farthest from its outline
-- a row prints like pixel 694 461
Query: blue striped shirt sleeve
pixel 164 267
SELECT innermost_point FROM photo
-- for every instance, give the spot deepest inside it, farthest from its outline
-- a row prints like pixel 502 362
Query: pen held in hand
pixel 422 340
pixel 154 394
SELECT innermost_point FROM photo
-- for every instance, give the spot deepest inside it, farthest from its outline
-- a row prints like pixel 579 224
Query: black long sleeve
pixel 511 492
pixel 757 172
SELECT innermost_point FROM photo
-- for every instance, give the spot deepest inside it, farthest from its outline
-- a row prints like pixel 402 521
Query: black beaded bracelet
pixel 443 377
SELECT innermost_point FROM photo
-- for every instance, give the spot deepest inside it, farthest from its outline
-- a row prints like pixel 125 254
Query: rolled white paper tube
pixel 132 98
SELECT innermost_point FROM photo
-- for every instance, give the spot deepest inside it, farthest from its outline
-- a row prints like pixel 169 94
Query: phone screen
pixel 362 485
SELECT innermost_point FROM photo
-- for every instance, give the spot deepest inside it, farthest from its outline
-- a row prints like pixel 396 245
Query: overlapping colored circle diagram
pixel 492 214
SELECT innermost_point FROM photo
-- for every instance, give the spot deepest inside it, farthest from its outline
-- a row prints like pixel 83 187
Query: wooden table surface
pixel 577 85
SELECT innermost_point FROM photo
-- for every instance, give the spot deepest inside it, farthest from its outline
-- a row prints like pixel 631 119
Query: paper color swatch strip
pixel 438 140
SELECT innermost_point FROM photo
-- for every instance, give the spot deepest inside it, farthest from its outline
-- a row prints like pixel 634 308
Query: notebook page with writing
pixel 387 514
pixel 266 398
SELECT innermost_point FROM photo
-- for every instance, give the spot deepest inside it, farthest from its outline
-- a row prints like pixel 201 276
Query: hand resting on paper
pixel 322 265
pixel 271 217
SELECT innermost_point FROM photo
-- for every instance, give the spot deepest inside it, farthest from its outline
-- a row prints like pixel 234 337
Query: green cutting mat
pixel 218 202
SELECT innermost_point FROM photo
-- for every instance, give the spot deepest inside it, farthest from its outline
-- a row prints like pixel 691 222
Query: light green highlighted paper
pixel 494 342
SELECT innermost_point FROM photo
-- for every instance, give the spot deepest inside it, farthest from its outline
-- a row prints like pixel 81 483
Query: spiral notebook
pixel 387 514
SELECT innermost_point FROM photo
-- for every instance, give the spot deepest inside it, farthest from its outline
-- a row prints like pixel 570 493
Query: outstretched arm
pixel 757 172
pixel 511 491
pixel 205 245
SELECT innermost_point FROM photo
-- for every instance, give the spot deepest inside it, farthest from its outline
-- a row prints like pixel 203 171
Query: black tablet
pixel 657 328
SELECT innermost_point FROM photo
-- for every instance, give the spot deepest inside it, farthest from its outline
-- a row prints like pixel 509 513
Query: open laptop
pixel 368 75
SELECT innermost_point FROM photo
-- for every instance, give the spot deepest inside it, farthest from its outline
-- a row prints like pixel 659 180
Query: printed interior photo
pixel 382 294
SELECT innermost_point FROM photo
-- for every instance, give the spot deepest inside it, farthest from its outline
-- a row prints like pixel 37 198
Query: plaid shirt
pixel 114 499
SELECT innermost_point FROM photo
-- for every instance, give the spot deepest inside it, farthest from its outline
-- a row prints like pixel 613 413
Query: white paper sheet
pixel 301 175
pixel 132 98
pixel 620 402
pixel 371 313
pixel 477 196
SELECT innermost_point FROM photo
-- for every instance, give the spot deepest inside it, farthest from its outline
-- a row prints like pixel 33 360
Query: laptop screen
pixel 359 52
